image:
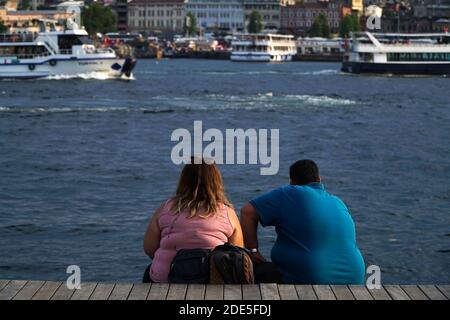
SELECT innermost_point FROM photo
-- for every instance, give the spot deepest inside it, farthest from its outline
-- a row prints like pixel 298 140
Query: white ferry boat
pixel 398 54
pixel 320 49
pixel 51 53
pixel 263 48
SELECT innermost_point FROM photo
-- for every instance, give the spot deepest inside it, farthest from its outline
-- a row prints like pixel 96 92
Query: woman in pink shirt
pixel 198 216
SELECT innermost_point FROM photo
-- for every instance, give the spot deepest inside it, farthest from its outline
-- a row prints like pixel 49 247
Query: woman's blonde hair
pixel 200 190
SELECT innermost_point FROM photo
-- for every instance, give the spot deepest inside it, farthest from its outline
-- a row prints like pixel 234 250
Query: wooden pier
pixel 49 290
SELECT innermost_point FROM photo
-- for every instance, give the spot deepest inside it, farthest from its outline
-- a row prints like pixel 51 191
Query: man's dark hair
pixel 303 172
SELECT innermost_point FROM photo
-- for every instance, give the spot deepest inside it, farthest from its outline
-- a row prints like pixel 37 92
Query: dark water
pixel 84 162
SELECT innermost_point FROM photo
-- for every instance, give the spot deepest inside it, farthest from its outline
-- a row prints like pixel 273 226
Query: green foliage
pixel 255 25
pixel 349 23
pixel 320 27
pixel 3 28
pixel 190 24
pixel 98 18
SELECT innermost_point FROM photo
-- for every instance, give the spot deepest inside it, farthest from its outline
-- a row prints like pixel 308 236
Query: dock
pixel 50 290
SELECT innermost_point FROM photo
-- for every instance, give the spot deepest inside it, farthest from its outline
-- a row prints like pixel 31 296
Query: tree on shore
pixel 3 28
pixel 350 23
pixel 255 25
pixel 98 18
pixel 190 25
pixel 320 27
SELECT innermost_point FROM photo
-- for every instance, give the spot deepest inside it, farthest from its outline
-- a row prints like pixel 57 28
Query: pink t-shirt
pixel 180 232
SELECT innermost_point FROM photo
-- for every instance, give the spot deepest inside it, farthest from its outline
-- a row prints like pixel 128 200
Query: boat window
pixel 436 56
pixel 65 42
pixel 23 52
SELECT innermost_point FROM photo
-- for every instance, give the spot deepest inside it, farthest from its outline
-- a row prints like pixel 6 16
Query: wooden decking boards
pixel 49 290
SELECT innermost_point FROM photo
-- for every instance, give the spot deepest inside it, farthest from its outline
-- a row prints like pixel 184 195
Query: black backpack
pixel 226 264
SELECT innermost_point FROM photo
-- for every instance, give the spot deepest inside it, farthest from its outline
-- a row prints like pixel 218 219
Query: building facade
pixel 299 18
pixel 25 21
pixel 268 9
pixel 166 16
pixel 217 14
pixel 120 8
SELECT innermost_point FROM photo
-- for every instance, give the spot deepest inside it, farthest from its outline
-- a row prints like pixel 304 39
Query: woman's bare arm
pixel 152 236
pixel 236 238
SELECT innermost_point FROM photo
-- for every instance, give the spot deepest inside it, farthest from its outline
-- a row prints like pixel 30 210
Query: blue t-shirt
pixel 316 241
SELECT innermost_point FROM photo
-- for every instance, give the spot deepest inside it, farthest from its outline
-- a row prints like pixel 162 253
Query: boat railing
pixel 65 51
pixel 366 46
pixel 17 37
pixel 22 56
pixel 103 50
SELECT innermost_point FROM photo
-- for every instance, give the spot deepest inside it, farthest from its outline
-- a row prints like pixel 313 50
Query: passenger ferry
pixel 320 49
pixel 263 48
pixel 398 54
pixel 52 52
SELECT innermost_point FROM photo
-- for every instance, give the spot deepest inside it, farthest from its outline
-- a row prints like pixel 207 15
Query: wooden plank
pixel 214 292
pixel 396 292
pixel 342 292
pixel 380 294
pixel 432 292
pixel 360 292
pixel 287 292
pixel 139 291
pixel 177 292
pixel 195 292
pixel 269 291
pixel 87 288
pixel 414 292
pixel 28 290
pixel 3 284
pixel 11 289
pixel 47 290
pixel 445 289
pixel 121 291
pixel 63 293
pixel 158 291
pixel 232 292
pixel 324 292
pixel 305 292
pixel 102 291
pixel 251 292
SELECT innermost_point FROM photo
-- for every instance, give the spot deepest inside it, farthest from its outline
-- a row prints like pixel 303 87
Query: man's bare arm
pixel 249 223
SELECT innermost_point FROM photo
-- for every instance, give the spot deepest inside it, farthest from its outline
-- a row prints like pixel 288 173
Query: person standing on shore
pixel 316 242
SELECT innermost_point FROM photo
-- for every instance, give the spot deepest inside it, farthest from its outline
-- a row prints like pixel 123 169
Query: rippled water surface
pixel 84 162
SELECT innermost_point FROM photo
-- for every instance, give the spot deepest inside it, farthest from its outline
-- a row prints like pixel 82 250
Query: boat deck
pixel 49 290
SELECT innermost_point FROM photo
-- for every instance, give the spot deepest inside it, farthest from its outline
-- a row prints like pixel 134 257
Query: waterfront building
pixel 299 18
pixel 162 16
pixel 268 9
pixel 120 8
pixel 431 9
pixel 23 21
pixel 218 14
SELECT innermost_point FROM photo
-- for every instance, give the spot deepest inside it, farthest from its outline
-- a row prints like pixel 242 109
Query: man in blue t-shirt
pixel 316 241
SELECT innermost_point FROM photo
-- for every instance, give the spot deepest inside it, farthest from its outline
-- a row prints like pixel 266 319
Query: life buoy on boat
pixel 31 66
pixel 52 62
